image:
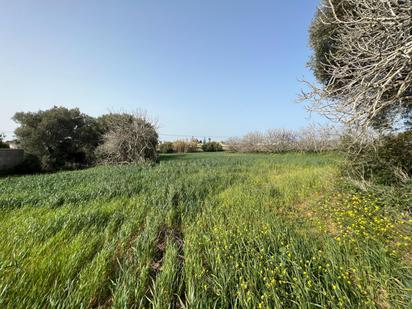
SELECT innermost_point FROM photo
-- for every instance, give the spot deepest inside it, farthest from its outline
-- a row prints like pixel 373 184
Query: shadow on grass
pixel 172 157
pixel 189 156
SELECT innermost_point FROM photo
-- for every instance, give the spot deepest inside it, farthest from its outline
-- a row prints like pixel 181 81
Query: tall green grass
pixel 197 230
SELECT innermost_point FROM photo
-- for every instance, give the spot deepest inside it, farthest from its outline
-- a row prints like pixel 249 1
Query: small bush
pixel 166 147
pixel 385 160
pixel 212 147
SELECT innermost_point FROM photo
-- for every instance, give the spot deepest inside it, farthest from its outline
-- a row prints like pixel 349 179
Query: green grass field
pixel 199 231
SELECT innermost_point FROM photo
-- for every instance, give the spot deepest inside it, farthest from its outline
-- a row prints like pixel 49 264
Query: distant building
pixel 13 144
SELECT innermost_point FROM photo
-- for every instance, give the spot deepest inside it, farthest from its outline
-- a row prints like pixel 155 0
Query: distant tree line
pixel 62 138
pixel 313 138
pixel 187 146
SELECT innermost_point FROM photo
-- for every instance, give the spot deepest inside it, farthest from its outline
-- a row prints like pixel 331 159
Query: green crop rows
pixel 199 231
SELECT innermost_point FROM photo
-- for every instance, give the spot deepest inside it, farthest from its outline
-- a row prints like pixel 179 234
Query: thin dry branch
pixel 132 138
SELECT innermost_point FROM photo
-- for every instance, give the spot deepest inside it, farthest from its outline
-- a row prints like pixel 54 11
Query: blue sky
pixel 202 68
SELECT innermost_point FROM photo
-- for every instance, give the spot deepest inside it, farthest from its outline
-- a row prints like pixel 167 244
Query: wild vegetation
pixel 60 138
pixel 203 230
pixel 383 160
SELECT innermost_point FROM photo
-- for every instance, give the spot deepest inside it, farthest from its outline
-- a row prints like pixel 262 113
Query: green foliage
pixel 387 160
pixel 59 137
pixel 105 122
pixel 166 147
pixel 2 143
pixel 212 147
pixel 196 231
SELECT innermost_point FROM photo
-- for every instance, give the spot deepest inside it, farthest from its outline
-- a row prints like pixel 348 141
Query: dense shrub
pixel 212 147
pixel 130 138
pixel 384 160
pixel 31 164
pixel 59 137
pixel 166 147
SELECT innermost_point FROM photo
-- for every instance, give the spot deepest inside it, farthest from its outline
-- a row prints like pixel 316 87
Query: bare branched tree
pixel 367 72
pixel 317 138
pixel 234 144
pixel 254 142
pixel 280 140
pixel 314 138
pixel 131 138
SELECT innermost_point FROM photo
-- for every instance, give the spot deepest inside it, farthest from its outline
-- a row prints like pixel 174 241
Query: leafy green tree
pixel 106 122
pixel 59 137
pixel 212 147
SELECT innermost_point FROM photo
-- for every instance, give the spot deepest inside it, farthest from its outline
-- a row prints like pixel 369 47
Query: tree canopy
pixel 59 137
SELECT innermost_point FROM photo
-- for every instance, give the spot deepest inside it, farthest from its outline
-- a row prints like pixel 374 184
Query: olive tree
pixel 58 137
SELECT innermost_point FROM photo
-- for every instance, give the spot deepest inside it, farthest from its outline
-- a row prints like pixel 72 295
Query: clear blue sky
pixel 202 68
